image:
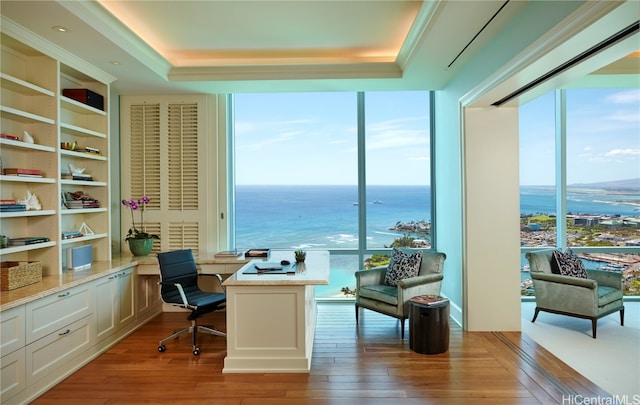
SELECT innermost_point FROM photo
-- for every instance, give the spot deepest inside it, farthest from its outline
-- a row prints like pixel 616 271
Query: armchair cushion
pixel 567 264
pixel 402 265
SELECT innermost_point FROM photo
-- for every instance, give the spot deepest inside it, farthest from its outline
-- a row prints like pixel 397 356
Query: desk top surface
pixel 314 271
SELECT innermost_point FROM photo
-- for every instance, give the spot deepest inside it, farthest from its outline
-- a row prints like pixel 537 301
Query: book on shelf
pixel 29 240
pixel 429 299
pixel 72 234
pixel 20 171
pixel 13 207
pixel 8 202
pixel 11 137
pixel 76 176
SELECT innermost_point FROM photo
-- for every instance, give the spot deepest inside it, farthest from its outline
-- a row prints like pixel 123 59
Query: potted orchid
pixel 140 242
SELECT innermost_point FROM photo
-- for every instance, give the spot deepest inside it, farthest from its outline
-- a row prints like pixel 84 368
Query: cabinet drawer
pixel 12 374
pixel 58 348
pixel 45 315
pixel 12 330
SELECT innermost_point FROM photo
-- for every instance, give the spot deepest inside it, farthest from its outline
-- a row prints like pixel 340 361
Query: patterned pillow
pixel 402 265
pixel 568 264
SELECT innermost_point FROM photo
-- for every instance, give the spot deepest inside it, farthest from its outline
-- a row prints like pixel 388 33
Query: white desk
pixel 271 318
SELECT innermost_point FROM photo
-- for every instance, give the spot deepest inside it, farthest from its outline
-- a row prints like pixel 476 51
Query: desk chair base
pixel 194 329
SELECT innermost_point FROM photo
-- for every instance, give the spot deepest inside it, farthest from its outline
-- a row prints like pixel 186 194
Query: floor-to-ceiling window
pixel 580 178
pixel 346 172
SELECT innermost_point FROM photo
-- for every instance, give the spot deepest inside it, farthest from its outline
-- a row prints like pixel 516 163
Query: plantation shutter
pixel 183 157
pixel 164 157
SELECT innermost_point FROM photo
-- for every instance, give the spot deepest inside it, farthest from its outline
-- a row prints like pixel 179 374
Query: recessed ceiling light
pixel 115 62
pixel 60 28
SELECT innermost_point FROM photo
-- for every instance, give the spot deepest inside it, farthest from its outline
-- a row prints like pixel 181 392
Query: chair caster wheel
pixel 196 352
pixel 162 348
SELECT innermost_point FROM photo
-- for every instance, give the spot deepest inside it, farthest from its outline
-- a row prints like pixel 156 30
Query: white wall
pixel 481 276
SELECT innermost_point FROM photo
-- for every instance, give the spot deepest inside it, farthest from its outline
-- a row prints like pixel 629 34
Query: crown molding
pixel 115 31
pixel 287 72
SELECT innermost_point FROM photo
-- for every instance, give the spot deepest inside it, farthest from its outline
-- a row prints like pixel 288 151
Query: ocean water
pixel 326 217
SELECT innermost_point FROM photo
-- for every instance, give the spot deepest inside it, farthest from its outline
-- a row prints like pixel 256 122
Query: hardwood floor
pixel 365 365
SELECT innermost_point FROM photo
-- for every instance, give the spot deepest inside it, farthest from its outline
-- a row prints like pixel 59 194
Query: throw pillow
pixel 568 264
pixel 402 265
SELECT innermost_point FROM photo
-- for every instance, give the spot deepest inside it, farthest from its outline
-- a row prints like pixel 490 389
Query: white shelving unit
pixel 33 75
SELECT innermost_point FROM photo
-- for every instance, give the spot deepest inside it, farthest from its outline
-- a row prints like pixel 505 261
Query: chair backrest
pixel 432 262
pixel 177 266
pixel 540 261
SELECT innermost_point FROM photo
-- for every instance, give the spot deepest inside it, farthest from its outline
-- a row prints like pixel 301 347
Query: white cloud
pixel 623 152
pixel 625 97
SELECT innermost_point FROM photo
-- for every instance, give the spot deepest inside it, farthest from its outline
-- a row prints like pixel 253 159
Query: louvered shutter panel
pixel 183 157
pixel 145 153
pixel 184 235
pixel 167 156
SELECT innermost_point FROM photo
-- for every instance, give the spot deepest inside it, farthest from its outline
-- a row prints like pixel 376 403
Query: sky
pixel 311 138
pixel 603 137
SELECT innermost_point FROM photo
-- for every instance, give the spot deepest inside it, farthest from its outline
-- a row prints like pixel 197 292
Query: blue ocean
pixel 326 217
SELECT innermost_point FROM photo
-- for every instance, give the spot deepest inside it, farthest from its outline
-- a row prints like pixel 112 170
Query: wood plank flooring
pixel 368 364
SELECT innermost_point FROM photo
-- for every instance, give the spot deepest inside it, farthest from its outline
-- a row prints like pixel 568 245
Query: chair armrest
pixel 374 276
pixel 216 275
pixel 559 278
pixel 605 278
pixel 419 280
pixel 183 296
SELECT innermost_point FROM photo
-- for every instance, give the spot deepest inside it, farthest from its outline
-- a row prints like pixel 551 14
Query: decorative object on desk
pixel 300 255
pixel 26 138
pixel 31 202
pixel 140 242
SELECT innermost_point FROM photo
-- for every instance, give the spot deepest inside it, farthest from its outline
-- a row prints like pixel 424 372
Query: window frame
pixel 362 251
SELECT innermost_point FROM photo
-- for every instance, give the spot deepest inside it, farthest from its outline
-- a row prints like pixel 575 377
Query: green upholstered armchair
pixel 592 298
pixel 373 294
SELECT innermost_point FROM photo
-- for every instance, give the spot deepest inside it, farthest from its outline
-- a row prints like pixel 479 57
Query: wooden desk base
pixel 270 329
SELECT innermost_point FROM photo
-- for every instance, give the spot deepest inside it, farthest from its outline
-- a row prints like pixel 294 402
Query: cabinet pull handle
pixel 66 332
pixel 64 295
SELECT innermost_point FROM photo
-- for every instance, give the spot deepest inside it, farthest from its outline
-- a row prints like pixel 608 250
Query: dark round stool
pixel 429 324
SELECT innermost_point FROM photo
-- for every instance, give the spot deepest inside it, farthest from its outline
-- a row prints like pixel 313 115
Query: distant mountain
pixel 616 185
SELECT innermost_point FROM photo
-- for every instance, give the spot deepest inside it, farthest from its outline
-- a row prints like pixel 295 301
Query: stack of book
pixel 75 204
pixel 72 234
pixel 228 254
pixel 11 206
pixel 77 176
pixel 19 171
pixel 29 240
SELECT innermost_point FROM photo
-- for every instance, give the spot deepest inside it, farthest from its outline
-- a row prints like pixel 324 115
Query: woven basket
pixel 18 274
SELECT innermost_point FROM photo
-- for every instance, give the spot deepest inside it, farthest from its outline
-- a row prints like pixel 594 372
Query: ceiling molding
pixel 545 54
pixel 46 47
pixel 287 72
pixel 418 30
pixel 110 27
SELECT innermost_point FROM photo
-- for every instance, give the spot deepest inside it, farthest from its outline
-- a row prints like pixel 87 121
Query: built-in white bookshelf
pixel 33 75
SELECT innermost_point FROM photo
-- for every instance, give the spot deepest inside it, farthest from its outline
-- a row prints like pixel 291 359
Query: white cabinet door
pixel 126 297
pixel 12 374
pixel 105 309
pixel 12 330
